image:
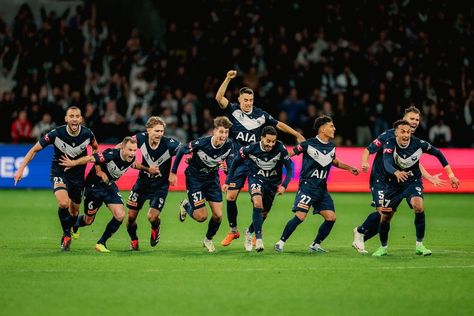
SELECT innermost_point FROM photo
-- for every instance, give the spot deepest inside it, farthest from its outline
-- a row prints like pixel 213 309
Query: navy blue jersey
pixel 408 159
pixel 160 157
pixel 317 162
pixel 206 158
pixel 267 166
pixel 378 170
pixel 247 126
pixel 74 147
pixel 111 163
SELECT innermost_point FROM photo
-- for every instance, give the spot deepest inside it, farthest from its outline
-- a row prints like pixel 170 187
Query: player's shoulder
pixel 169 140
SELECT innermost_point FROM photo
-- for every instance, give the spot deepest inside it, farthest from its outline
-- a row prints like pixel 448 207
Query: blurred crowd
pixel 361 62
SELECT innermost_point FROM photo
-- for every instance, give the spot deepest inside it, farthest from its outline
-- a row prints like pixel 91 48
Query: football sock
pixel 189 209
pixel 324 231
pixel 383 233
pixel 111 228
pixel 213 226
pixel 79 223
pixel 65 219
pixel 132 230
pixel 370 227
pixel 290 228
pixel 251 229
pixel 420 226
pixel 232 214
pixel 73 221
pixel 257 222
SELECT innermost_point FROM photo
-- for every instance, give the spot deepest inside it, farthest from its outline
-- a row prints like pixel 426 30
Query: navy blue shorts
pixel 237 180
pixel 199 190
pixel 378 190
pixel 95 195
pixel 319 199
pixel 74 186
pixel 268 192
pixel 397 192
pixel 141 192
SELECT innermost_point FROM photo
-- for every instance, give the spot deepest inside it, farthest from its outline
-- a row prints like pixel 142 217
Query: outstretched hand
pixel 65 161
pixel 436 180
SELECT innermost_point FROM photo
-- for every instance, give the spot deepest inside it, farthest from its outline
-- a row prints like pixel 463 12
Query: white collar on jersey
pixel 409 141
pixel 71 134
pixel 317 137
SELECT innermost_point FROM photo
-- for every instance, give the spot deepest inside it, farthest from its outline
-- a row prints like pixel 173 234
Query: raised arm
pixel 220 98
pixel 29 156
pixel 289 130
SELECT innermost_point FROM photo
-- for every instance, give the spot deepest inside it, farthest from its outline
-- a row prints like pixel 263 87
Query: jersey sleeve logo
pixel 387 151
pixel 101 157
pixel 377 142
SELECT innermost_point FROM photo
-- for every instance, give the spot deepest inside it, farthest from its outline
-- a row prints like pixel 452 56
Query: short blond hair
pixel 155 120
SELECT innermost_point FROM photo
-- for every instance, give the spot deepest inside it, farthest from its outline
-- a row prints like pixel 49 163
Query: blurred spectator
pixel 440 134
pixel 21 128
pixel 294 107
pixel 43 127
pixel 137 122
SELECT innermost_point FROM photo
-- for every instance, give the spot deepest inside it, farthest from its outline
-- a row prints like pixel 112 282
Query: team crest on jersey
pixel 323 159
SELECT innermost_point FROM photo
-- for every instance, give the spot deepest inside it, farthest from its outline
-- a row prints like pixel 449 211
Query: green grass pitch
pixel 179 278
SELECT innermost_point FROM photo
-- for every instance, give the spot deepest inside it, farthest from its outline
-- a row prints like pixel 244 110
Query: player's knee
pixel 330 217
pixel 232 195
pixel 418 208
pixel 63 204
pixel 217 218
pixel 200 216
pixel 120 217
pixel 88 220
pixel 301 215
pixel 258 204
pixel 131 217
pixel 153 217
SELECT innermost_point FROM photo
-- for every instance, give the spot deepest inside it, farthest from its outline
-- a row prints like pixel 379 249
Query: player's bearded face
pixel 73 120
pixel 246 102
pixel 268 141
pixel 220 135
pixel 129 151
pixel 156 132
pixel 413 119
pixel 403 133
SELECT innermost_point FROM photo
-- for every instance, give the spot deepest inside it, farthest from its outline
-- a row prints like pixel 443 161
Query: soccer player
pixel 319 153
pixel 370 226
pixel 202 177
pixel 401 156
pixel 267 159
pixel 71 140
pixel 114 162
pixel 247 121
pixel 157 152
